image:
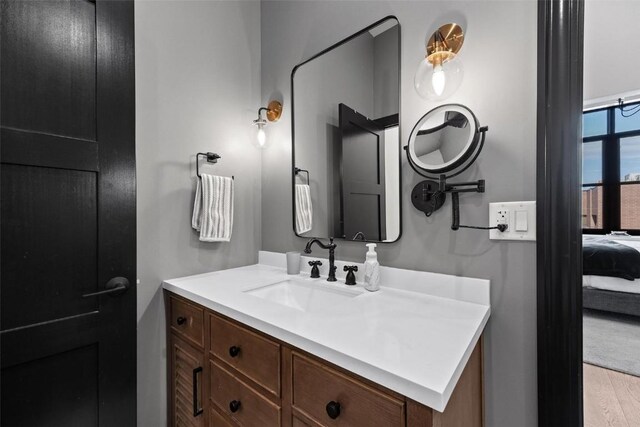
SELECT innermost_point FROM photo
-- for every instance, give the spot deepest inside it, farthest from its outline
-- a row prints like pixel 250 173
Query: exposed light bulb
pixel 262 137
pixel 438 79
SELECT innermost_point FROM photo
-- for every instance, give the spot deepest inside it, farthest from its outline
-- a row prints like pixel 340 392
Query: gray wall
pixel 197 89
pixel 385 73
pixel 502 93
pixel 611 46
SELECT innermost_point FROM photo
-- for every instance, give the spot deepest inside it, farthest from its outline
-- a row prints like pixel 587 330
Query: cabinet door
pixel 186 384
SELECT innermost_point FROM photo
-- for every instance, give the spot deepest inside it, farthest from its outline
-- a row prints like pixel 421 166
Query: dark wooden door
pixel 67 213
pixel 363 176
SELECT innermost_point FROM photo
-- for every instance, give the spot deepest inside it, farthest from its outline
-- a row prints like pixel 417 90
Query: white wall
pixel 502 93
pixel 611 48
pixel 197 89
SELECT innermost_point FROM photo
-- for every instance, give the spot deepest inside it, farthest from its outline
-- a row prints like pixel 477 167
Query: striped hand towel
pixel 304 210
pixel 213 208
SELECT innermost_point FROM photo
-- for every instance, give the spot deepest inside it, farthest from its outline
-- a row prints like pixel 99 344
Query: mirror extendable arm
pixel 462 187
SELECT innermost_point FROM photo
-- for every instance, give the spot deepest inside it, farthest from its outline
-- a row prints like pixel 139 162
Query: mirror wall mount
pixel 442 145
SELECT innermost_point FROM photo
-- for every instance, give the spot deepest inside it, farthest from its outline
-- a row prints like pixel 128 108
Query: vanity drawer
pixel 187 320
pixel 315 386
pixel 217 420
pixel 254 356
pixel 251 408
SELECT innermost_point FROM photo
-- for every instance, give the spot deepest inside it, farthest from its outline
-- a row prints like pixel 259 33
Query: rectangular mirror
pixel 346 141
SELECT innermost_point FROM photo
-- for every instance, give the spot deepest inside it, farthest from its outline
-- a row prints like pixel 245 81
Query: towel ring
pixel 211 158
pixel 298 170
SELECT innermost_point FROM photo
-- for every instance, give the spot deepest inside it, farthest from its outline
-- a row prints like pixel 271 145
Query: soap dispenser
pixel 371 269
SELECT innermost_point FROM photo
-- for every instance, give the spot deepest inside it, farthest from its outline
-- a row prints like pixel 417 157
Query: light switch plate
pixel 517 216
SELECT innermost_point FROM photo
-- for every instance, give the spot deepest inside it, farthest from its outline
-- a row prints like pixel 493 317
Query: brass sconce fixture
pixel 273 113
pixel 440 73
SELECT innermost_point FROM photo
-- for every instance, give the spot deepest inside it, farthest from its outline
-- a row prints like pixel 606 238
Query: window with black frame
pixel 611 169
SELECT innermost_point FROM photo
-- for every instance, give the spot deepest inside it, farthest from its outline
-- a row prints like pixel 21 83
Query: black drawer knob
pixel 234 406
pixel 181 320
pixel 333 409
pixel 234 351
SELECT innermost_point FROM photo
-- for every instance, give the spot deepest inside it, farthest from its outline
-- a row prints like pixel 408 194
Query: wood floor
pixel 610 398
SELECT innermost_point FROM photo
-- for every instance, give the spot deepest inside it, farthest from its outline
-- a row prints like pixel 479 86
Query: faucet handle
pixel 351 277
pixel 315 271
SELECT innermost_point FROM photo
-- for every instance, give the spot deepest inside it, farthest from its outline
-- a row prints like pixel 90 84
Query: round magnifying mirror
pixel 444 141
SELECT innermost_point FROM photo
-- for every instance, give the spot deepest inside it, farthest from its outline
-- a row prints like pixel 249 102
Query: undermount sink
pixel 303 295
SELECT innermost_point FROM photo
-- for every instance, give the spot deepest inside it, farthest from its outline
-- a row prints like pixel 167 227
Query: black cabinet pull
pixel 234 351
pixel 181 320
pixel 333 409
pixel 197 409
pixel 234 405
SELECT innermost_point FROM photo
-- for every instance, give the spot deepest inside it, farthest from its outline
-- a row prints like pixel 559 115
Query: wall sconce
pixel 440 73
pixel 273 113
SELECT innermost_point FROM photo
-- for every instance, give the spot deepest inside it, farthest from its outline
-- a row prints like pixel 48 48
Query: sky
pixel 592 159
pixel 629 156
pixel 591 162
pixel 596 124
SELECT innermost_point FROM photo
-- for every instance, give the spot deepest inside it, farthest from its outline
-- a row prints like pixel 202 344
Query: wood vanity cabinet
pixel 225 374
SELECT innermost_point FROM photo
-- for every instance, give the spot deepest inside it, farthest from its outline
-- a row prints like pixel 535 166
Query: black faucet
pixel 359 236
pixel 332 247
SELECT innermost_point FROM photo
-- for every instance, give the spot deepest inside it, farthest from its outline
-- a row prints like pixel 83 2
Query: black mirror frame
pixel 294 168
pixel 459 166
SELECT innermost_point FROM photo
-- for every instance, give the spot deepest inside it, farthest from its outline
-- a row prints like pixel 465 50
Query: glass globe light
pixel 439 81
pixel 261 137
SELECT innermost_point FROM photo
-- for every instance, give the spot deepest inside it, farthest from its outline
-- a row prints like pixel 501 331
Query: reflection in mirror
pixel 346 146
pixel 443 139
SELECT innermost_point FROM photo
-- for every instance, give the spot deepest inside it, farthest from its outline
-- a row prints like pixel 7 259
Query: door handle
pixel 115 286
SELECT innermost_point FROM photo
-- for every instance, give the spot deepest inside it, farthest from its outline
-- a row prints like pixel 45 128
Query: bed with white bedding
pixel 610 293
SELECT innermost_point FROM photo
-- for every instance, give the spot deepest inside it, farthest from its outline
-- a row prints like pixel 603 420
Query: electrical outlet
pixel 519 217
pixel 502 217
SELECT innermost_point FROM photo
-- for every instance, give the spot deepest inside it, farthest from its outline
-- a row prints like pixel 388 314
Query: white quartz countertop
pixel 414 343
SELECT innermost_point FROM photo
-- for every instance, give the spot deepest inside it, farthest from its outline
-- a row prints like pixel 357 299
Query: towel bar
pixel 211 158
pixel 298 170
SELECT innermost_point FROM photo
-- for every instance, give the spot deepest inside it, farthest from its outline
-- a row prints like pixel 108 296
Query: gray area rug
pixel 612 341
